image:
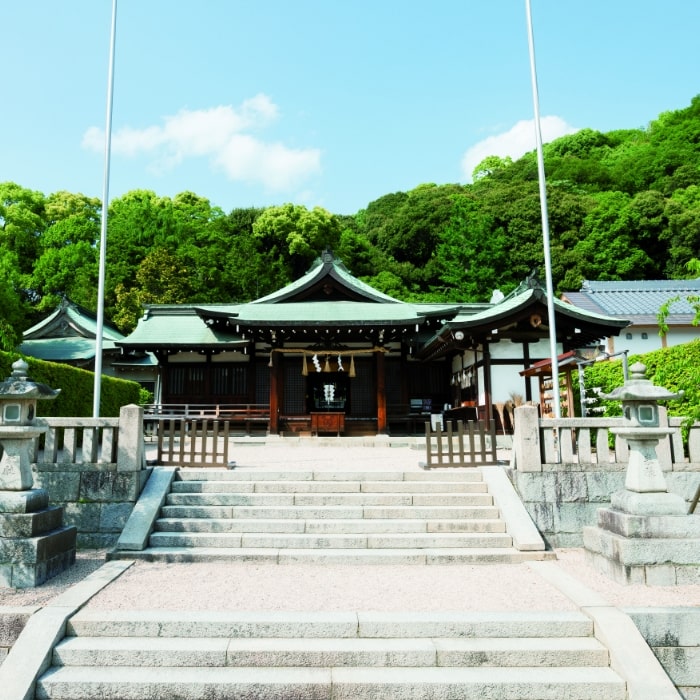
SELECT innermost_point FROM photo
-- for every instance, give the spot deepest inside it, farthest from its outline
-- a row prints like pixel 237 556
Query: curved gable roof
pixel 327 280
pixel 514 316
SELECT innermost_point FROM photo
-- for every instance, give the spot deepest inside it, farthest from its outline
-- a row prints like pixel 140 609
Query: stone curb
pixel 630 655
pixel 140 523
pixel 526 536
pixel 31 654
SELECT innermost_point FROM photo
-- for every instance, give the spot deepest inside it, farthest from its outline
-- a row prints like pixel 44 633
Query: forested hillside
pixel 622 205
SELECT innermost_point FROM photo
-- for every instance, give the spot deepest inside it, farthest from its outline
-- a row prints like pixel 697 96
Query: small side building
pixel 68 336
pixel 640 302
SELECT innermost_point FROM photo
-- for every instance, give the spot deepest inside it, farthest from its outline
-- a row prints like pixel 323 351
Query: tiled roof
pixel 63 349
pixel 71 320
pixel 176 326
pixel 330 312
pixel 638 298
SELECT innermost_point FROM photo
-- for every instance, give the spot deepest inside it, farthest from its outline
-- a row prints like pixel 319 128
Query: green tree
pixel 471 253
pixel 292 236
pixel 490 165
pixel 22 222
pixel 138 221
pixel 160 279
pixel 67 258
pixel 682 236
pixel 12 310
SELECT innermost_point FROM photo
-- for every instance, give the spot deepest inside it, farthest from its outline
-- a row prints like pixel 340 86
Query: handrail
pixel 207 410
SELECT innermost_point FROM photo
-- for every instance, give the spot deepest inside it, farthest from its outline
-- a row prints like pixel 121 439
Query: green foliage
pixel 77 388
pixel 490 165
pixel 676 369
pixel 293 236
pixel 622 205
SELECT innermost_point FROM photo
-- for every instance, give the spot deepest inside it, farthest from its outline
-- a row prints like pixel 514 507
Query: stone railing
pixel 538 442
pixel 95 469
pixel 566 469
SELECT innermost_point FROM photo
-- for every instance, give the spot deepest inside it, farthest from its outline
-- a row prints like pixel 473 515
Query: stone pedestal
pixel 34 544
pixel 655 550
pixel 646 536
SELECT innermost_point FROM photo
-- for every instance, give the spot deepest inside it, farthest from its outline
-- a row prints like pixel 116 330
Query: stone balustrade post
pixel 130 454
pixel 527 454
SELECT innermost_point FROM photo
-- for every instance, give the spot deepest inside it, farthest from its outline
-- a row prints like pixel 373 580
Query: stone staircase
pixel 216 655
pixel 392 517
pixel 318 517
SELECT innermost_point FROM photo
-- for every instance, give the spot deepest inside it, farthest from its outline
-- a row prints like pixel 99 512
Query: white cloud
pixel 273 164
pixel 222 135
pixel 515 142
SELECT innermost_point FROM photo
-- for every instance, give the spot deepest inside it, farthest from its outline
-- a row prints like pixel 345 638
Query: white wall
pixel 637 344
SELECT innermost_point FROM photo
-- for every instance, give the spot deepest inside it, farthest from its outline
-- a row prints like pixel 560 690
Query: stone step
pixel 241 474
pixel 355 557
pixel 357 683
pixel 327 526
pixel 331 512
pixel 330 541
pixel 297 624
pixel 356 486
pixel 326 499
pixel 317 651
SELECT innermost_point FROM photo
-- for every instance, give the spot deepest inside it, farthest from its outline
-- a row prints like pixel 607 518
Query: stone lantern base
pixel 34 544
pixel 655 549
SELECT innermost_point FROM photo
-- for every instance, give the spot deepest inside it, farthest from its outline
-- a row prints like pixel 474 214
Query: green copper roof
pixel 63 349
pixel 512 303
pixel 327 313
pixel 70 320
pixel 326 267
pixel 176 326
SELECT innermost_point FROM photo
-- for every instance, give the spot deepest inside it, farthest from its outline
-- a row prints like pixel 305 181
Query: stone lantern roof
pixel 638 388
pixel 20 386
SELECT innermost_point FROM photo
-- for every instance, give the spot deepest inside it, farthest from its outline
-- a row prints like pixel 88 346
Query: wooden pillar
pixel 381 393
pixel 274 392
pixel 487 380
pixel 526 364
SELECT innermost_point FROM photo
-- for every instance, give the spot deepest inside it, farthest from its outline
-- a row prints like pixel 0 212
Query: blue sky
pixel 321 102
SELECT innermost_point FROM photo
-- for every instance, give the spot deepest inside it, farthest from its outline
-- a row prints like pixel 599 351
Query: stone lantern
pixel 646 535
pixel 34 543
pixel 18 397
pixel 640 397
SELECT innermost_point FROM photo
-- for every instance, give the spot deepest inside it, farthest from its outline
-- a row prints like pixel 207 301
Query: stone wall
pixel 12 622
pixel 562 499
pixel 96 498
pixel 674 636
pixel 97 487
pixel 564 496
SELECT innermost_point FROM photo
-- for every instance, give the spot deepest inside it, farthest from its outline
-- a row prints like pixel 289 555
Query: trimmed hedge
pixel 676 368
pixel 77 388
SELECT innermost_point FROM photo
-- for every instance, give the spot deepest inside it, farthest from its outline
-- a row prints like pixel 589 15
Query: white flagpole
pixel 103 228
pixel 556 401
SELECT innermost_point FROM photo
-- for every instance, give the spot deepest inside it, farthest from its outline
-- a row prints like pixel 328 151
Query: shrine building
pixel 329 353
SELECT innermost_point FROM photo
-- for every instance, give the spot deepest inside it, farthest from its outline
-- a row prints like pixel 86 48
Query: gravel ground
pixel 86 562
pixel 223 586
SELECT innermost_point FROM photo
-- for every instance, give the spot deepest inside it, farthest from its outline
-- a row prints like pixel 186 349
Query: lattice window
pixel 262 383
pixel 294 390
pixel 229 380
pixel 363 389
